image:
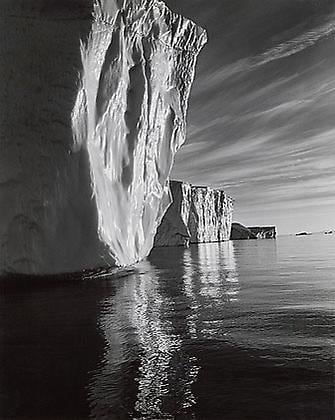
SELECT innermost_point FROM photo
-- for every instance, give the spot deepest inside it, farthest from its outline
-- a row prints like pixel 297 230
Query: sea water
pixel 231 330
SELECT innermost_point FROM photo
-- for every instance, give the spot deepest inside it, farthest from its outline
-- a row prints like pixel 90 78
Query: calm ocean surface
pixel 236 330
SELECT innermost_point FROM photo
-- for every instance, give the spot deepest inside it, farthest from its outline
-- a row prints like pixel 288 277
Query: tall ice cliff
pixel 197 214
pixel 93 98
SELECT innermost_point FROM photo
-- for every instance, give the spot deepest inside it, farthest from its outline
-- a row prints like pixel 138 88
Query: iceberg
pixel 264 232
pixel 197 215
pixel 174 230
pixel 93 100
pixel 240 231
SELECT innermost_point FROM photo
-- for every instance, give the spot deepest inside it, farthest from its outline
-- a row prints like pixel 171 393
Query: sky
pixel 261 121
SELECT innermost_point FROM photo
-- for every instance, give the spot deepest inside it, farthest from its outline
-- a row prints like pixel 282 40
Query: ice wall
pixel 196 215
pixel 210 215
pixel 93 99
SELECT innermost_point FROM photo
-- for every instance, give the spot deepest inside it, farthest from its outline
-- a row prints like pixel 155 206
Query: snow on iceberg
pixel 94 99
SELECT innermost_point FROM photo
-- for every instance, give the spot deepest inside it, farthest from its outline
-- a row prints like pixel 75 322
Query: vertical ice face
pixel 93 111
pixel 210 215
pixel 196 215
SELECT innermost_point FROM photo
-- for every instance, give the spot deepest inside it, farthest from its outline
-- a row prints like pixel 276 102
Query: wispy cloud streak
pixel 262 127
pixel 296 45
pixel 277 52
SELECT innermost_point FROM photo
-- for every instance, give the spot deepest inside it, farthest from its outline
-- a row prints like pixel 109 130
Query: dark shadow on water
pixel 21 282
pixel 241 384
pixel 50 342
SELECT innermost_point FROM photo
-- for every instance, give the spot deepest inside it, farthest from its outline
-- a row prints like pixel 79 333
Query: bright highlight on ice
pixel 89 146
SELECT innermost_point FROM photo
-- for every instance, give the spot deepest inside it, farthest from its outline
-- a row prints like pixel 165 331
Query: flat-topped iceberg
pixel 240 231
pixel 197 215
pixel 93 100
pixel 264 232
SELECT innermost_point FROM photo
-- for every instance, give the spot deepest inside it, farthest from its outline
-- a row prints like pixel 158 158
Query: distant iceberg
pixel 264 232
pixel 239 231
pixel 93 106
pixel 197 215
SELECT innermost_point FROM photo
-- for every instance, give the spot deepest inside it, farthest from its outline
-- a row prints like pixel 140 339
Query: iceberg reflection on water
pixel 219 330
pixel 139 338
pixel 144 338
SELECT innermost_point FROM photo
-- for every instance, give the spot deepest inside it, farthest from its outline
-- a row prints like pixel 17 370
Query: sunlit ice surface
pixel 94 104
